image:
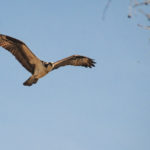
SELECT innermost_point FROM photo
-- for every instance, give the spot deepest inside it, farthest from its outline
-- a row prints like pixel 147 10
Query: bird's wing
pixel 20 51
pixel 75 60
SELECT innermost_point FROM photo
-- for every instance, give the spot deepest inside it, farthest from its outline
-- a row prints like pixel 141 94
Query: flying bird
pixel 34 65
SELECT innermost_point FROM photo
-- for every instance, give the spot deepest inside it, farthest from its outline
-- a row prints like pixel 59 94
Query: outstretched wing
pixel 19 50
pixel 75 60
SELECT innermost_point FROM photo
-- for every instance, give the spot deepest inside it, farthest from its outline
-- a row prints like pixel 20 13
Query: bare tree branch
pixel 133 10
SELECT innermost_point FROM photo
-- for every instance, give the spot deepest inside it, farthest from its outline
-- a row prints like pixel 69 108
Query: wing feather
pixel 75 60
pixel 20 51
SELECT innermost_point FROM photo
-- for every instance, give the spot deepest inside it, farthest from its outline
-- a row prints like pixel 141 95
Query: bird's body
pixel 33 64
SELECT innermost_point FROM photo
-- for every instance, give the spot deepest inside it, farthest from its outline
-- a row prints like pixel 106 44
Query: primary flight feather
pixel 34 65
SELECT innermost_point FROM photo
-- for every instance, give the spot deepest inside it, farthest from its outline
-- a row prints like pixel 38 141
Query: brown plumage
pixel 34 65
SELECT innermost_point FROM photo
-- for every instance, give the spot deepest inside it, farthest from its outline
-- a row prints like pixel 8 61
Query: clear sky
pixel 75 108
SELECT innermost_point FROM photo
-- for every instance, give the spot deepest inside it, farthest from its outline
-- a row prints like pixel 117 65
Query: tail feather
pixel 30 81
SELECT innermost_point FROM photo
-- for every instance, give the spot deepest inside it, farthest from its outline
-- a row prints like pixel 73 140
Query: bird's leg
pixel 30 81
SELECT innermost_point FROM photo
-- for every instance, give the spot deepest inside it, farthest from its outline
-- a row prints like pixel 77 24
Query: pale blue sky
pixel 74 108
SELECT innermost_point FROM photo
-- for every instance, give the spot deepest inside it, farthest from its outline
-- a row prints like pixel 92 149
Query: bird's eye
pixel 45 65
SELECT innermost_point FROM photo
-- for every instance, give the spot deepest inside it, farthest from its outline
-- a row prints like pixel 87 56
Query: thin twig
pixel 141 3
pixel 144 27
pixel 145 14
pixel 105 9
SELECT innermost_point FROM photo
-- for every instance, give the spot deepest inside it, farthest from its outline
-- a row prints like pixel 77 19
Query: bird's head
pixel 48 66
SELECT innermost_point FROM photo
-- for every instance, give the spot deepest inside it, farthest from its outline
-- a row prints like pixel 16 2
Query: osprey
pixel 34 65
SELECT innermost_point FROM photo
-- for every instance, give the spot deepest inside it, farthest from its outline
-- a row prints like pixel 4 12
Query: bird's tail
pixel 30 81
